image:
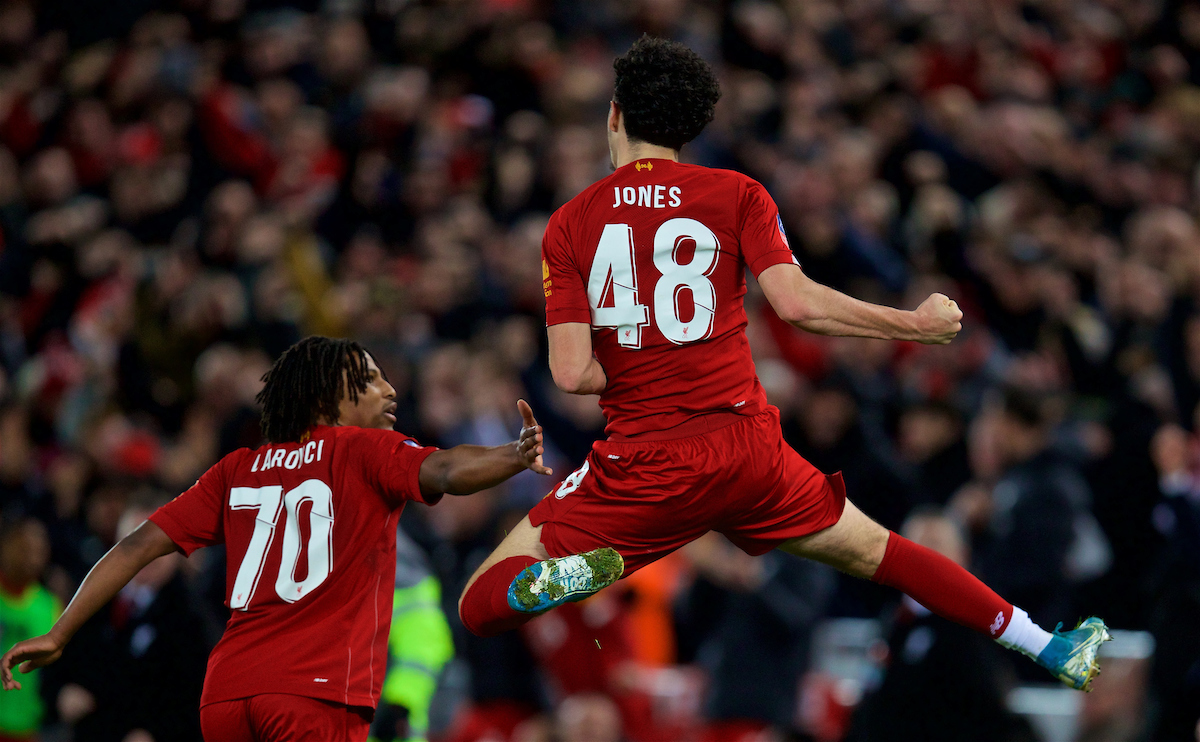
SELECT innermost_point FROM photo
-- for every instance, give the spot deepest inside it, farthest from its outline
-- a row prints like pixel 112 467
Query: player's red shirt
pixel 654 258
pixel 328 509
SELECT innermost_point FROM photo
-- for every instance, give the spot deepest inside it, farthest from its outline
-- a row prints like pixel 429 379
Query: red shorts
pixel 647 498
pixel 282 717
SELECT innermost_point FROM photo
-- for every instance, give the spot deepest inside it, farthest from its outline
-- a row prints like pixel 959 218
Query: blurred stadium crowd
pixel 189 186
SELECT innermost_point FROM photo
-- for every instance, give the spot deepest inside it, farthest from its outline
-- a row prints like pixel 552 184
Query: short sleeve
pixel 764 241
pixel 391 464
pixel 562 280
pixel 196 518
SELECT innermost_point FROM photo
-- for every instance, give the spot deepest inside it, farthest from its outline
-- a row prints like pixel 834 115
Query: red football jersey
pixel 653 257
pixel 310 537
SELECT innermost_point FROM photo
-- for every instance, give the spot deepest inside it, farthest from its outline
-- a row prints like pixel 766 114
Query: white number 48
pixel 614 274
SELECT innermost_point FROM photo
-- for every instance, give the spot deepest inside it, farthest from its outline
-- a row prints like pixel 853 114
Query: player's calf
pixel 859 546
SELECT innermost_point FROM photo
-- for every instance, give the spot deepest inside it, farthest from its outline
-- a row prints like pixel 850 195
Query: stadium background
pixel 189 186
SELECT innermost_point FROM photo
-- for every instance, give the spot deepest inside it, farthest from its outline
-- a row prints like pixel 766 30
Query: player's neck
pixel 644 151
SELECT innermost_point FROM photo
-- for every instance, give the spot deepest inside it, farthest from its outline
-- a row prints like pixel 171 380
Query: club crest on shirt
pixel 644 166
pixel 782 232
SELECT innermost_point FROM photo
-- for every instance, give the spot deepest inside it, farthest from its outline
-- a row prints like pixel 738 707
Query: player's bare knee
pixel 871 545
pixel 463 596
pixel 472 580
pixel 864 540
pixel 854 545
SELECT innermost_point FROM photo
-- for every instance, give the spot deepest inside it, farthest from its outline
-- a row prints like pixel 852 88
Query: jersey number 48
pixel 269 502
pixel 614 274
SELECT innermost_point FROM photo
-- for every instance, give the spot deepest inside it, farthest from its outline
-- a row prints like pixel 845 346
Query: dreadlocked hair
pixel 307 382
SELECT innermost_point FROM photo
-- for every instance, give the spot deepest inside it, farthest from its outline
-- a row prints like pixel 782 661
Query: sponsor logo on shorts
pixel 613 456
pixel 320 680
pixel 571 483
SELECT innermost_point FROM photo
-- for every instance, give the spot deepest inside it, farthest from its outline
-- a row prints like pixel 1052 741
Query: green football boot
pixel 1071 655
pixel 552 582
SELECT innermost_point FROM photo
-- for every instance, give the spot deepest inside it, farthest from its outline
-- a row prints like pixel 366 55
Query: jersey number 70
pixel 614 273
pixel 269 501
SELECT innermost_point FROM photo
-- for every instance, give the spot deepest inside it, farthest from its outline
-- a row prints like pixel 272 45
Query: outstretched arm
pixel 574 368
pixel 465 469
pixel 803 302
pixel 147 543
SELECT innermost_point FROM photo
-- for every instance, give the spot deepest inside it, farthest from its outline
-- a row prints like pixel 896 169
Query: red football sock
pixel 942 586
pixel 484 609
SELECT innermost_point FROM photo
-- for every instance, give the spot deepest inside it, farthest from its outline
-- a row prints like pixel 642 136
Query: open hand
pixel 938 320
pixel 29 655
pixel 529 445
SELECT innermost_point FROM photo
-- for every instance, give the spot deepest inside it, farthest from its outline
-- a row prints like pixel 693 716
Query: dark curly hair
pixel 666 92
pixel 307 383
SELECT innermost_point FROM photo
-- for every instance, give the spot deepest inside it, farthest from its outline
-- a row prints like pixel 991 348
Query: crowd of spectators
pixel 189 186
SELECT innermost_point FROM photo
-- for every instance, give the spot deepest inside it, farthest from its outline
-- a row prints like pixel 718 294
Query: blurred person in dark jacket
pixel 1038 536
pixel 830 433
pixel 1175 677
pixel 930 441
pixel 943 683
pixel 748 621
pixel 134 672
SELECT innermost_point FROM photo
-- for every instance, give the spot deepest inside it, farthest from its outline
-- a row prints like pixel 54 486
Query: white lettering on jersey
pixel 305 454
pixel 614 274
pixel 648 196
pixel 271 502
pixel 267 501
pixel 320 540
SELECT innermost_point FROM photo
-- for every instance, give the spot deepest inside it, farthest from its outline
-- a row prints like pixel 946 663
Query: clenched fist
pixel 938 320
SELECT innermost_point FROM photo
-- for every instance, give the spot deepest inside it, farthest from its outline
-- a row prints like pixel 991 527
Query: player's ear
pixel 614 116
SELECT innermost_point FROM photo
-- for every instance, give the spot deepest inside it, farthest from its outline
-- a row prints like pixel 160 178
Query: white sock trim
pixel 1024 635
